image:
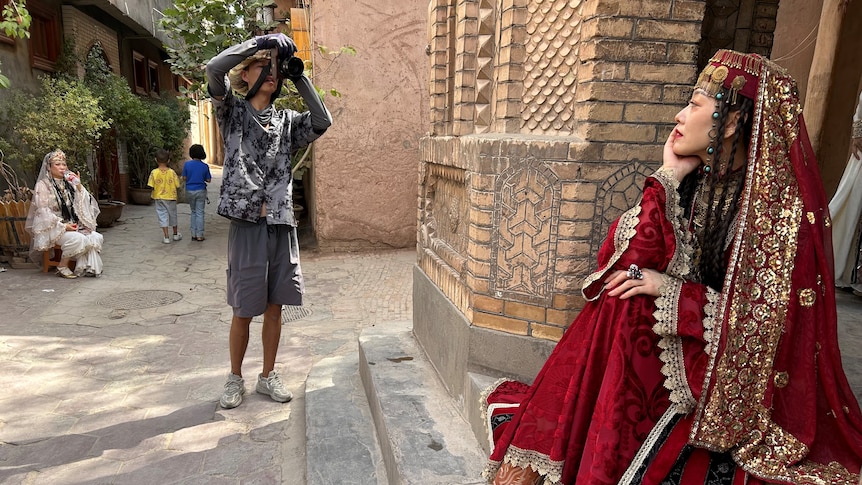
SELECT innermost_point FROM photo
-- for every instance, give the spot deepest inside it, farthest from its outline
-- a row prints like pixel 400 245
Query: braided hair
pixel 720 189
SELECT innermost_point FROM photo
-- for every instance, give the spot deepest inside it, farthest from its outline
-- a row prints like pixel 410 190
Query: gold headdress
pixel 735 71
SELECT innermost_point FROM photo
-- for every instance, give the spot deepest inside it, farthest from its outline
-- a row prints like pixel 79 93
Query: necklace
pixel 64 200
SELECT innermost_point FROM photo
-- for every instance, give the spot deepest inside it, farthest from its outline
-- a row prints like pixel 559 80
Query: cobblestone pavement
pixel 116 379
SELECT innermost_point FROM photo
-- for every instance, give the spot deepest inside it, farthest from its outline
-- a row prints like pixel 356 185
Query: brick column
pixel 549 140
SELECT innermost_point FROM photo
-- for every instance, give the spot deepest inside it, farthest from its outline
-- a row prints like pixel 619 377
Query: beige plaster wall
pixel 795 38
pixel 364 180
pixel 818 41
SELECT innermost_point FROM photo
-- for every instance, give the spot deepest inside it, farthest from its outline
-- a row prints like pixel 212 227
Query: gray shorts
pixel 262 267
pixel 166 210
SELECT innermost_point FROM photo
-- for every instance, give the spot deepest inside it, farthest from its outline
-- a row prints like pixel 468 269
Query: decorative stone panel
pixel 523 243
pixel 445 220
pixel 443 230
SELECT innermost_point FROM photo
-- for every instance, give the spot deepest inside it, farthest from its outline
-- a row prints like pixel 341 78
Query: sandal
pixel 199 238
pixel 65 272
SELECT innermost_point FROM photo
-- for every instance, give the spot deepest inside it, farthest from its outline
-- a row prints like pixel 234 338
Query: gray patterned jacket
pixel 257 159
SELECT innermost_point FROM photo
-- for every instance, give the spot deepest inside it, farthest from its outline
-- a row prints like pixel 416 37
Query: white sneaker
pixel 166 240
pixel 273 387
pixel 234 388
pixel 177 236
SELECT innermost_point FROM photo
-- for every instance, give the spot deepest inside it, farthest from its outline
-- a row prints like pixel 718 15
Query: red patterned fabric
pixel 601 391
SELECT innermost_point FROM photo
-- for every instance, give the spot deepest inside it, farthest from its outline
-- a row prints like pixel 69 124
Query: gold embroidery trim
pixel 680 263
pixel 626 230
pixel 672 355
pixel 540 462
pixel 667 318
pixel 753 314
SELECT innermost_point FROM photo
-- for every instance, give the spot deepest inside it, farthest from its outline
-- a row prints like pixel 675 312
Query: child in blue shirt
pixel 196 175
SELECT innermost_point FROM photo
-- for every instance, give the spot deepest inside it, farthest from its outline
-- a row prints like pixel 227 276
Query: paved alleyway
pixel 116 379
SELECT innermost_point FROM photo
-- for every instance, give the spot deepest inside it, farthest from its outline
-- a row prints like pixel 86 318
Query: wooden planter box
pixel 14 239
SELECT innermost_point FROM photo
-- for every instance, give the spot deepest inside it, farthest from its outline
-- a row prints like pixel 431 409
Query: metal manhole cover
pixel 133 300
pixel 290 313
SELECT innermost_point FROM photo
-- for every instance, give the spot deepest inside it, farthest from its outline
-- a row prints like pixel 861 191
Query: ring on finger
pixel 634 273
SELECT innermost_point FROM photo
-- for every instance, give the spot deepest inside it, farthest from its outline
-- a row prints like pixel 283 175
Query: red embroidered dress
pixel 602 390
pixel 745 386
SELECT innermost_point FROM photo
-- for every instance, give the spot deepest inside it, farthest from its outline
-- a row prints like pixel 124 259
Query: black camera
pixel 291 68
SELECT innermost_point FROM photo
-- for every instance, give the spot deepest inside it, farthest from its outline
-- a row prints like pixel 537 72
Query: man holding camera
pixel 263 270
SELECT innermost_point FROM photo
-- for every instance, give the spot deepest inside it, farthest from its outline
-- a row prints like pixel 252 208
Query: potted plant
pixel 41 124
pixel 131 121
pixel 141 163
pixel 165 125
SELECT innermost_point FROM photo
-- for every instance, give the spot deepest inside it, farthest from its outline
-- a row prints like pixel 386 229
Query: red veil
pixel 775 392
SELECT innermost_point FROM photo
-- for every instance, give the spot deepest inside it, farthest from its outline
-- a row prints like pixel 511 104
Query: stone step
pixel 341 446
pixel 477 384
pixel 423 437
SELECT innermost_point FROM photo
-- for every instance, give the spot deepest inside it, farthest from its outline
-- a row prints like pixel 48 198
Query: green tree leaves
pixel 200 29
pixel 15 23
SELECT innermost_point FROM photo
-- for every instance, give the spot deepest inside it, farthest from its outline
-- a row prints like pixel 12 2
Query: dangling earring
pixel 707 169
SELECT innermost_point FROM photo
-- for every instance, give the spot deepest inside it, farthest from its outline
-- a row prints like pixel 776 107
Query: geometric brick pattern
pixel 485 57
pixel 553 32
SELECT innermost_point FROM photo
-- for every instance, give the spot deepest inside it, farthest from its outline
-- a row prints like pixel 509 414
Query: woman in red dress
pixel 707 351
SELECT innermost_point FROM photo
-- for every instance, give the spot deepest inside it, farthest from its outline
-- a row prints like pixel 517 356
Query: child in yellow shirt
pixel 165 182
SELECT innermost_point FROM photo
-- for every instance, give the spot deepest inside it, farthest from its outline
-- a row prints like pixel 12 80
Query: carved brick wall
pixel 546 116
pixel 85 31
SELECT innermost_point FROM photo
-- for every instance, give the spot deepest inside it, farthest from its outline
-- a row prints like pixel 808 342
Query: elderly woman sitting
pixel 64 213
